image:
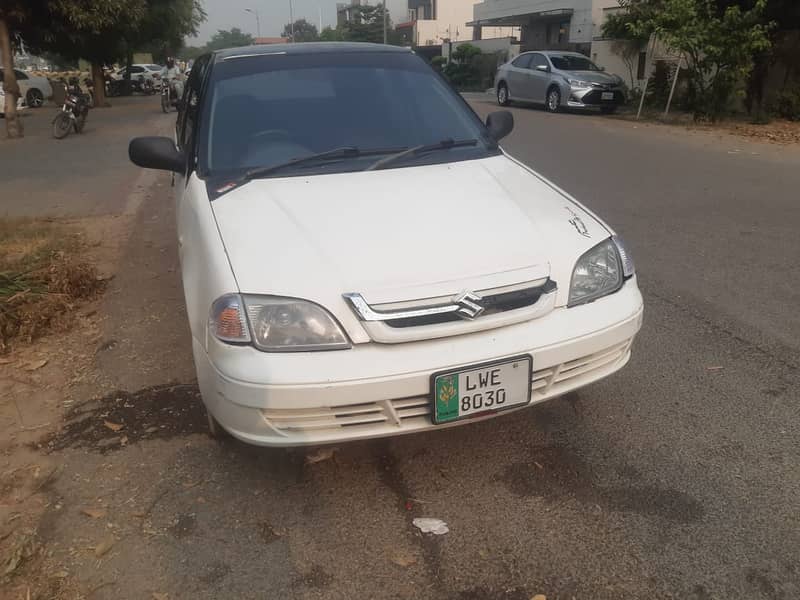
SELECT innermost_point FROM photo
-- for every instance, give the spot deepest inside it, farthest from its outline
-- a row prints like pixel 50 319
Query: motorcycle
pixel 122 87
pixel 143 86
pixel 73 113
pixel 167 100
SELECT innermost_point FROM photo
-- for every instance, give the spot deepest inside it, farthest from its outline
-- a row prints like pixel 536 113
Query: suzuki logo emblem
pixel 469 307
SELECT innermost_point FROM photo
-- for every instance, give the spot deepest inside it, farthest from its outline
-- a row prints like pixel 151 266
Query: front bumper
pixel 593 97
pixel 376 390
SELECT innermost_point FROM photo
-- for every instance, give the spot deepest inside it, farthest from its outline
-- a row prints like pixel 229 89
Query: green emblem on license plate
pixel 447 398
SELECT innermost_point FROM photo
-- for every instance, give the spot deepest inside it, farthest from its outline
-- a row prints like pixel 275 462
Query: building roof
pixel 260 41
pixel 309 48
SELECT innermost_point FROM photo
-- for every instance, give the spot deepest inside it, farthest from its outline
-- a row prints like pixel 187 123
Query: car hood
pixel 402 234
pixel 595 77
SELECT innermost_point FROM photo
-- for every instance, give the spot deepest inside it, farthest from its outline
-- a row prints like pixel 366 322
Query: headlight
pixel 276 324
pixel 577 83
pixel 600 271
pixel 291 325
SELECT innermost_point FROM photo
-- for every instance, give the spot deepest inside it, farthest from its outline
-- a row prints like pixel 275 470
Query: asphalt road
pixel 82 175
pixel 675 478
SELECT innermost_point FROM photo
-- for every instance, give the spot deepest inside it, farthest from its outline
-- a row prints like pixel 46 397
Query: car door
pixel 538 78
pixel 186 128
pixel 517 74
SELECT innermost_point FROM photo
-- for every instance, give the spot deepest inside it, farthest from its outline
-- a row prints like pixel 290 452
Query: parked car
pixel 558 80
pixel 151 72
pixel 35 88
pixel 356 270
pixel 20 101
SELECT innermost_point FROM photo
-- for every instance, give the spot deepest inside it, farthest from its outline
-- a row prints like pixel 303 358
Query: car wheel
pixel 553 102
pixel 215 430
pixel 34 98
pixel 502 95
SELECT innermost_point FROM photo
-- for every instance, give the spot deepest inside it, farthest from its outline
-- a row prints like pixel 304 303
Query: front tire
pixel 165 102
pixel 61 126
pixel 34 98
pixel 553 100
pixel 215 430
pixel 502 95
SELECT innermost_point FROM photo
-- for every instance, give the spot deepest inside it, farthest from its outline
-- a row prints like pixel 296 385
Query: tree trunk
pixel 10 86
pixel 99 84
pixel 127 78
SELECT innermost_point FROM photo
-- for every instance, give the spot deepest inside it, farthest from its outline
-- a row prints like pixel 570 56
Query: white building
pixel 430 22
pixel 563 25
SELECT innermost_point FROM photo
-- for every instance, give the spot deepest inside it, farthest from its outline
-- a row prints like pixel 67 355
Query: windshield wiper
pixel 336 153
pixel 418 150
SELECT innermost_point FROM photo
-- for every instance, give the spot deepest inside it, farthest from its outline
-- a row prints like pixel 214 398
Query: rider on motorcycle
pixel 171 74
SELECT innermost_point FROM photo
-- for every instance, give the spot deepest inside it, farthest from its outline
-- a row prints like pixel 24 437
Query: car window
pixel 20 74
pixel 522 61
pixel 135 69
pixel 569 62
pixel 154 67
pixel 538 60
pixel 187 120
pixel 267 110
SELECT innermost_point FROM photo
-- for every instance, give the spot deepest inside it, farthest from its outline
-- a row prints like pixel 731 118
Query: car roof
pixel 562 53
pixel 308 48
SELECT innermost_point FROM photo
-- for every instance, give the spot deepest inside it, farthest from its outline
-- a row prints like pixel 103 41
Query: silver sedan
pixel 558 80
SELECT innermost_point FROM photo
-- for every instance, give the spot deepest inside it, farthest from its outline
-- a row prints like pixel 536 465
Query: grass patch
pixel 42 278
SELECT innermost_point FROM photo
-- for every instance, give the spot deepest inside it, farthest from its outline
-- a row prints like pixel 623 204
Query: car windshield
pixel 267 110
pixel 568 62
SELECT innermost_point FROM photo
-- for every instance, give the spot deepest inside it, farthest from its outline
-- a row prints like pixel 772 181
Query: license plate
pixel 479 389
pixel 607 96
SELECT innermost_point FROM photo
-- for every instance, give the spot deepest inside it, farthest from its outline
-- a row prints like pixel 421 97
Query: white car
pixel 356 269
pixel 35 88
pixel 20 101
pixel 151 72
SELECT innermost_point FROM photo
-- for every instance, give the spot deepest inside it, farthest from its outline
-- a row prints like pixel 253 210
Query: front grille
pixel 595 97
pixel 492 304
pixel 389 412
pixel 390 415
pixel 555 380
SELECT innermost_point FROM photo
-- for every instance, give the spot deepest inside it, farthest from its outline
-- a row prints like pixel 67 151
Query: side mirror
pixel 499 124
pixel 544 68
pixel 156 153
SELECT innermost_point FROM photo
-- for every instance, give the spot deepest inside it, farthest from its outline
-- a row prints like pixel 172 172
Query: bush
pixel 438 62
pixel 787 104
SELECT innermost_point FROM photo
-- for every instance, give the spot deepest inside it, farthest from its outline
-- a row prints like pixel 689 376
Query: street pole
pixel 674 83
pixel 258 20
pixel 291 21
pixel 384 22
pixel 652 44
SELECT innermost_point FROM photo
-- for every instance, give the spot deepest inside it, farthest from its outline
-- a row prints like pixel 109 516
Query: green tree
pixel 164 26
pixel 366 24
pixel 464 53
pixel 94 30
pixel 303 31
pixel 463 71
pixel 719 44
pixel 229 39
pixel 329 34
pixel 191 52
